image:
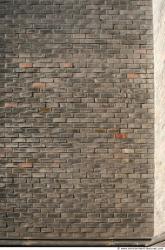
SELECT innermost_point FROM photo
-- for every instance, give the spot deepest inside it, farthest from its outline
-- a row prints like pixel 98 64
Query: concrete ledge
pixel 93 242
pixel 158 241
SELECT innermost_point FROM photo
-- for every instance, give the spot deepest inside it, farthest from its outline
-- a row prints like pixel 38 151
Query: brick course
pixel 77 126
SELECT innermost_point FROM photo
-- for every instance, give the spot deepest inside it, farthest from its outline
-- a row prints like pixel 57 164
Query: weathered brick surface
pixel 76 132
pixel 159 41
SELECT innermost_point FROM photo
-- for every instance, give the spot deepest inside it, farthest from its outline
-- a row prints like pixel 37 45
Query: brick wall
pixel 159 40
pixel 76 114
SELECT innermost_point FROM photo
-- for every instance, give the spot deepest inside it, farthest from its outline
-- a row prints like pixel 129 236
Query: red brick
pixel 120 136
pixel 10 105
pixel 25 65
pixel 132 76
pixel 25 165
pixel 38 85
pixel 66 65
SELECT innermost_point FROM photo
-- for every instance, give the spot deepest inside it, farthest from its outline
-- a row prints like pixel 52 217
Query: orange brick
pixel 121 136
pixel 25 165
pixel 66 65
pixel 100 130
pixel 25 65
pixel 38 85
pixel 45 110
pixel 132 76
pixel 10 105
